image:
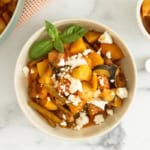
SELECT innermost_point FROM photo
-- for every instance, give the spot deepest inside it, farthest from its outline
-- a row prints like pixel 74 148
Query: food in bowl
pixel 7 8
pixel 74 77
pixel 145 14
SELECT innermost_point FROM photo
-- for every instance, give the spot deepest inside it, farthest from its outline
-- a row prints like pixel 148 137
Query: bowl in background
pixel 139 19
pixel 21 86
pixel 13 21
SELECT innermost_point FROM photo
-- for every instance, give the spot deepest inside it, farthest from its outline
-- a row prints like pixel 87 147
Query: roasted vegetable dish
pixel 74 77
pixel 7 8
pixel 145 14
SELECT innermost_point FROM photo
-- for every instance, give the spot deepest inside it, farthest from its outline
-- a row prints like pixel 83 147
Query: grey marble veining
pixel 17 133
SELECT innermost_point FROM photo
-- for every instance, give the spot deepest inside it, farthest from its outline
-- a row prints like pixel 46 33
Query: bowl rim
pixel 13 21
pixel 139 19
pixel 96 134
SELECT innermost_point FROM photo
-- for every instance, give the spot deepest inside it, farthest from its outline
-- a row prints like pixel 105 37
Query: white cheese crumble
pixel 122 92
pixel 32 71
pixel 87 51
pixel 105 38
pixel 98 119
pixel 63 123
pixel 64 116
pixel 61 62
pixel 101 81
pixel 96 94
pixel 37 96
pixel 75 100
pixel 75 85
pixel 81 121
pixel 108 54
pixel 48 98
pixel 110 112
pixel 112 80
pixel 25 71
pixel 99 103
pixel 99 51
pixel 66 93
pixel 75 61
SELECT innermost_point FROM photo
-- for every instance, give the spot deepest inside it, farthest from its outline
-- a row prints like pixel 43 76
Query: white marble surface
pixel 17 133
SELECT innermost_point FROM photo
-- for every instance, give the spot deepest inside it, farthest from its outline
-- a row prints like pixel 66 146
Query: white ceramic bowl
pixel 12 21
pixel 127 64
pixel 139 19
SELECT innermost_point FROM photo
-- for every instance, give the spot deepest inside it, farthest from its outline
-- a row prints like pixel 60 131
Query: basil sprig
pixel 55 40
pixel 51 30
pixel 72 33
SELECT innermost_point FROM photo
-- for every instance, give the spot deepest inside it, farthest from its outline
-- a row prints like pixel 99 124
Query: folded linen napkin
pixel 31 7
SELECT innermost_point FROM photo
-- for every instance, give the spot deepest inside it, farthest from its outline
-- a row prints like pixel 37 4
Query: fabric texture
pixel 31 7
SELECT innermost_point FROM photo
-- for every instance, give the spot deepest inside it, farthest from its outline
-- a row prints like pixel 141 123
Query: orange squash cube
pixel 92 36
pixel 96 59
pixel 78 46
pixel 82 73
pixel 116 53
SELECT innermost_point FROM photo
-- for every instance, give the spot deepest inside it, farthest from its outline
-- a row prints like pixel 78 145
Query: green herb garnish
pixel 72 33
pixel 55 40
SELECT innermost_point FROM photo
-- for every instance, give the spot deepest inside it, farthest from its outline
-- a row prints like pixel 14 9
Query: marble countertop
pixel 17 133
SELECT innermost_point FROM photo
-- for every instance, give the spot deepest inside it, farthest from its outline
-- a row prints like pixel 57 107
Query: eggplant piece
pixel 120 80
pixel 113 73
pixel 114 70
pixel 102 70
pixel 61 69
pixel 109 71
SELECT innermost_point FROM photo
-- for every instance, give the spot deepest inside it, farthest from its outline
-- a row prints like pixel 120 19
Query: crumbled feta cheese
pixel 61 74
pixel 32 71
pixel 98 119
pixel 81 121
pixel 105 38
pixel 61 62
pixel 108 54
pixel 37 96
pixel 99 103
pixel 75 85
pixel 64 116
pixel 66 93
pixel 25 71
pixel 99 51
pixel 96 94
pixel 56 83
pixel 112 80
pixel 75 100
pixel 110 112
pixel 101 81
pixel 67 102
pixel 48 98
pixel 53 76
pixel 67 76
pixel 122 92
pixel 87 51
pixel 75 61
pixel 63 123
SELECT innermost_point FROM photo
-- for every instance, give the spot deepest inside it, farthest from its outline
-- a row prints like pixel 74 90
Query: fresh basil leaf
pixel 51 30
pixel 40 49
pixel 72 33
pixel 58 45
